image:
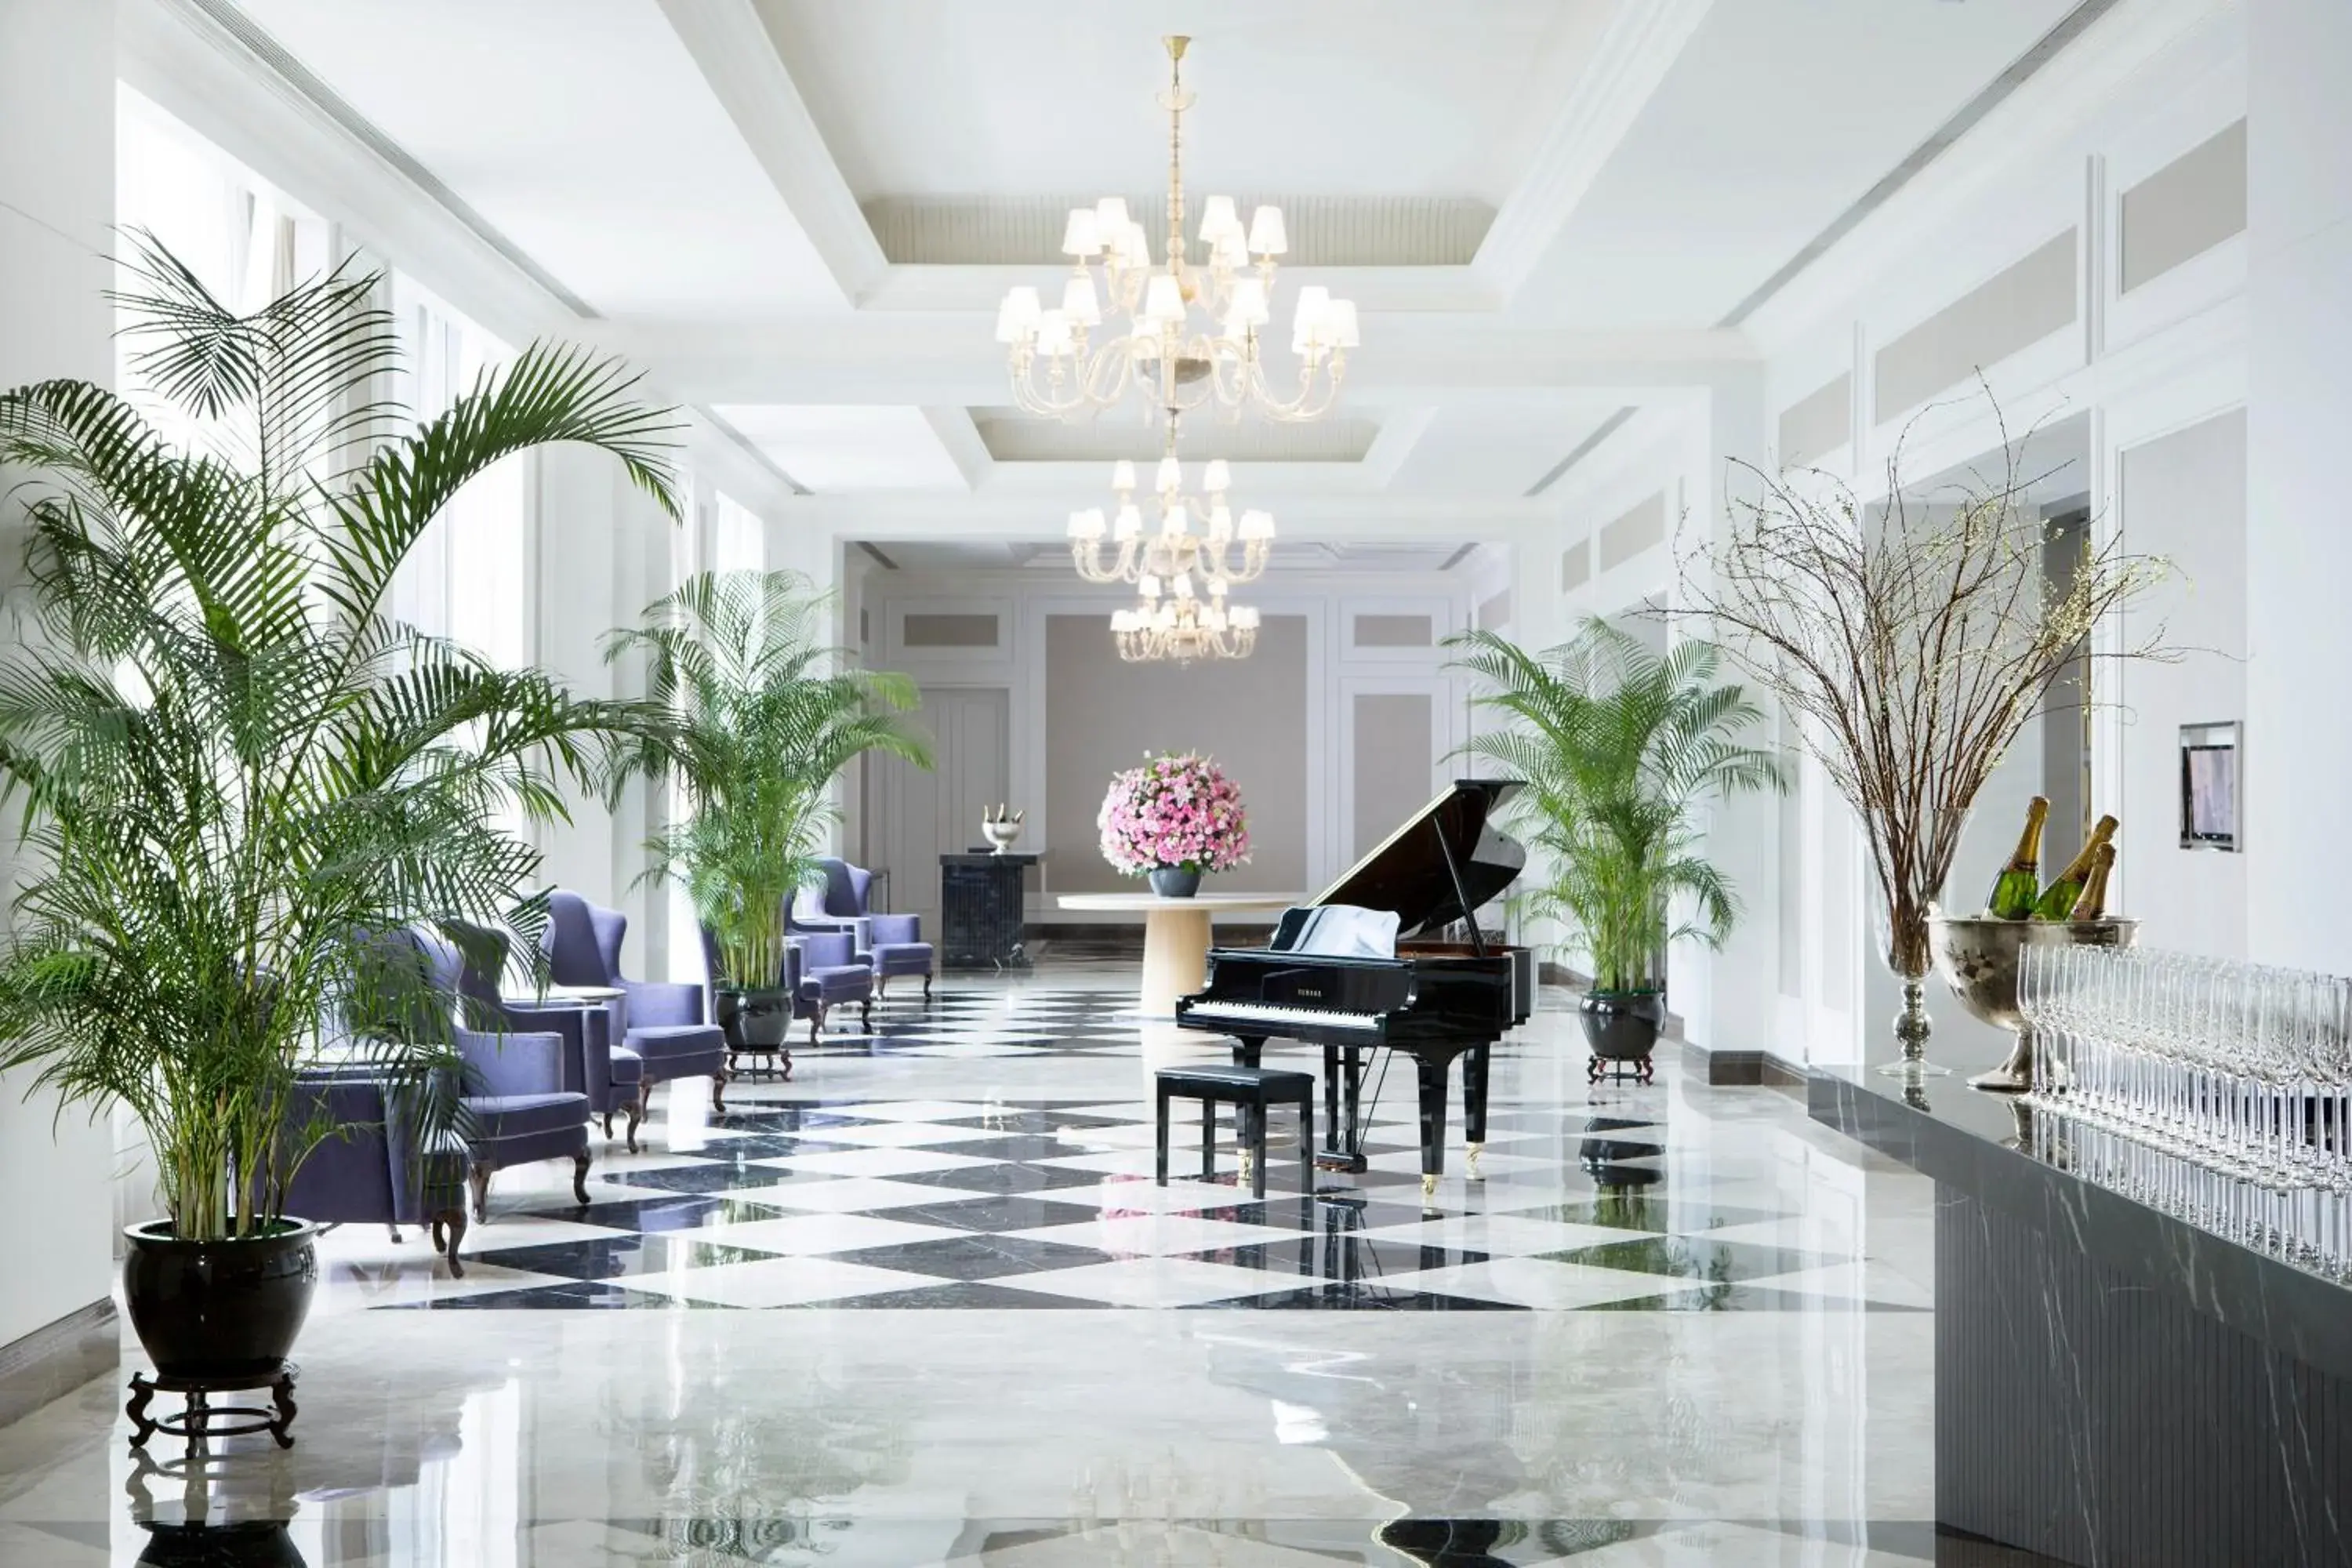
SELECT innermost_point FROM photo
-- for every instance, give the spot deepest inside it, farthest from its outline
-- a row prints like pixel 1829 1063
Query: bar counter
pixel 2115 1383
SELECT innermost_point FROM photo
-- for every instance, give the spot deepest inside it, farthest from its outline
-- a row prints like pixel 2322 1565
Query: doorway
pixel 925 815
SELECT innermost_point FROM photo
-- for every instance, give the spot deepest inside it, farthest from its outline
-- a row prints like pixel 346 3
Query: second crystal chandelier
pixel 1059 368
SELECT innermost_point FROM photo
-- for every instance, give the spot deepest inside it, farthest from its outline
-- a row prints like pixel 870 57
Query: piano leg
pixel 1247 1051
pixel 1331 1098
pixel 1433 1121
pixel 1473 1106
pixel 1208 1139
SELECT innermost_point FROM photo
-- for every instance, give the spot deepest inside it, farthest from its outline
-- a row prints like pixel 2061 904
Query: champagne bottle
pixel 2057 901
pixel 2093 904
pixel 2020 883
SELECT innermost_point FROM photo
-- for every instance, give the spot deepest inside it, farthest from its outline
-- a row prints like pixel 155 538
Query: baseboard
pixel 1744 1069
pixel 57 1358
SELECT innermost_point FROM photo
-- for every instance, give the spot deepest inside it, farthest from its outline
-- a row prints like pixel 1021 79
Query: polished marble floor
pixel 924 1304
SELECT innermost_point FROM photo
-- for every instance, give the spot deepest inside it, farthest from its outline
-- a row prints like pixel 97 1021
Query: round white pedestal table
pixel 1175 936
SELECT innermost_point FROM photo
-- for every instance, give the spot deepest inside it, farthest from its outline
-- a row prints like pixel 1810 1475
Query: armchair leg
pixel 866 1016
pixel 786 1054
pixel 480 1178
pixel 580 1177
pixel 393 1231
pixel 636 1111
pixel 881 987
pixel 816 1024
pixel 608 1124
pixel 718 1089
pixel 926 989
pixel 448 1230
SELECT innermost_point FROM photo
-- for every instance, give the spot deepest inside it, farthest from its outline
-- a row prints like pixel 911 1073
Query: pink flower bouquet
pixel 1173 813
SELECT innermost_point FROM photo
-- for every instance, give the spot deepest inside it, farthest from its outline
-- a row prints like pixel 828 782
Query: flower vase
pixel 1175 881
pixel 1907 945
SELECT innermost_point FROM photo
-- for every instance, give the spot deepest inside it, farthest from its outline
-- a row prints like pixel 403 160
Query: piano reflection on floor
pixel 1357 972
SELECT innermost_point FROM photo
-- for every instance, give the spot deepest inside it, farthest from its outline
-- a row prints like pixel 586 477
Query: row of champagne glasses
pixel 2245 1068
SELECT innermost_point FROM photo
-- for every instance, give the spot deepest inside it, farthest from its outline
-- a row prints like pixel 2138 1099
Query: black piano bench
pixel 1249 1091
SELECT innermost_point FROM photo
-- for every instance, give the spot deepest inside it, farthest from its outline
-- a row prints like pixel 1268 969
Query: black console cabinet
pixel 980 905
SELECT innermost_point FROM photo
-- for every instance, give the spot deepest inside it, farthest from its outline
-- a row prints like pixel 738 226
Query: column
pixel 56 202
pixel 2298 737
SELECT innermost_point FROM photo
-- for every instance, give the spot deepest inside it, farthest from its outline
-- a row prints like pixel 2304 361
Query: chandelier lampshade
pixel 1183 333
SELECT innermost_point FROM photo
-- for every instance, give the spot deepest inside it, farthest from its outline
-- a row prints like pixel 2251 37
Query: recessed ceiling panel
pixel 1495 447
pixel 1012 437
pixel 583 131
pixel 836 450
pixel 1033 98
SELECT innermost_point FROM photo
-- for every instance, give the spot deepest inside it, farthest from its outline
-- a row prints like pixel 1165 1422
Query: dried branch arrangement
pixel 1912 647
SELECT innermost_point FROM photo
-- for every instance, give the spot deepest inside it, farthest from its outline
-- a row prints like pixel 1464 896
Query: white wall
pixel 1333 672
pixel 56 202
pixel 2183 496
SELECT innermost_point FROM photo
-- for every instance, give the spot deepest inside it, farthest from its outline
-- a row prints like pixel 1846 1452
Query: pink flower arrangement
pixel 1173 811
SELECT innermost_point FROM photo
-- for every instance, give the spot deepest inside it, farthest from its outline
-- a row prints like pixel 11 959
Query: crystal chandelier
pixel 1183 625
pixel 1195 534
pixel 1154 345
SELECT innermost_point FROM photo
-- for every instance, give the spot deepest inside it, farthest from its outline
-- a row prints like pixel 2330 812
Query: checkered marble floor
pixel 797 1197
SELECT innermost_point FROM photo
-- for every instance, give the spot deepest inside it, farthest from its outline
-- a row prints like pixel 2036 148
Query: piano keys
pixel 1358 986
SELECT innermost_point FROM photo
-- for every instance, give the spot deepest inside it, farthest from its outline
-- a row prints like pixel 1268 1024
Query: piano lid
pixel 1407 872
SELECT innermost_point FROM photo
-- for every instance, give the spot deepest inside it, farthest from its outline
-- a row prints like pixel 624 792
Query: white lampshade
pixel 1217 591
pixel 1122 476
pixel 1267 236
pixel 1164 617
pixel 1307 325
pixel 1244 617
pixel 1163 300
pixel 1130 524
pixel 1053 333
pixel 1221 524
pixel 1171 476
pixel 1218 477
pixel 1016 319
pixel 1078 302
pixel 1127 622
pixel 1148 585
pixel 1341 324
pixel 1082 235
pixel 1181 588
pixel 1145 342
pixel 1086 524
pixel 1214 620
pixel 1228 252
pixel 1110 219
pixel 1219 220
pixel 1139 244
pixel 1257 525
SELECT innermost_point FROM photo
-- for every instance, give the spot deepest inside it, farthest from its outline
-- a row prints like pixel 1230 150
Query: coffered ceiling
pixel 798 214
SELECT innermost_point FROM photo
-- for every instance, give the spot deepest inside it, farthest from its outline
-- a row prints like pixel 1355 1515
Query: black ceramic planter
pixel 754 1020
pixel 1621 1027
pixel 1175 881
pixel 220 1309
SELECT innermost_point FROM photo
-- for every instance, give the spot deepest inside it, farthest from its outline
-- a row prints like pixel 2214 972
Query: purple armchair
pixel 516 1099
pixel 656 1031
pixel 825 971
pixel 371 1171
pixel 889 944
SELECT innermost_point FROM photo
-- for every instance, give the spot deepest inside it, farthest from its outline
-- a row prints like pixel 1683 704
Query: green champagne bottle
pixel 2020 883
pixel 2093 904
pixel 2057 902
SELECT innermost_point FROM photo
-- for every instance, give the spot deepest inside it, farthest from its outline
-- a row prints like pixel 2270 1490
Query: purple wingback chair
pixel 516 1094
pixel 371 1171
pixel 889 945
pixel 827 972
pixel 656 1030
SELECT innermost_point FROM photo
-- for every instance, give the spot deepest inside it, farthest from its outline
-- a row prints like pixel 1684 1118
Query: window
pixel 464 578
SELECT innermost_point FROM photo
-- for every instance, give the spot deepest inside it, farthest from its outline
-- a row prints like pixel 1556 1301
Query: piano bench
pixel 1249 1091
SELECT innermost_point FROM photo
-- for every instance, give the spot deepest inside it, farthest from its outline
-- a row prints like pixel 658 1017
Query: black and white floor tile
pixel 793 1198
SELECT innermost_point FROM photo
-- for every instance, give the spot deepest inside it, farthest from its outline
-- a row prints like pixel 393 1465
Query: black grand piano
pixel 1321 982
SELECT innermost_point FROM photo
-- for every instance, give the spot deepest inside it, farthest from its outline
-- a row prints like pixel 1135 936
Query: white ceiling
pixel 1562 197
pixel 1419 557
pixel 1008 97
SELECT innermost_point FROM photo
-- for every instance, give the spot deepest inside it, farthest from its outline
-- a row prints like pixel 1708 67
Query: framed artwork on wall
pixel 2208 787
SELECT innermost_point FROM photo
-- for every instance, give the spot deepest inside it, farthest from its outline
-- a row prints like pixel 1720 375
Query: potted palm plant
pixel 762 715
pixel 235 773
pixel 1621 750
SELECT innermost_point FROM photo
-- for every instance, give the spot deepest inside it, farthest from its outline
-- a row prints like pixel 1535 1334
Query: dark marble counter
pixel 1984 1145
pixel 2118 1381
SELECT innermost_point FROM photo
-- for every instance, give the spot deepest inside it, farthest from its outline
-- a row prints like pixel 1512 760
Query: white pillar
pixel 2298 736
pixel 57 204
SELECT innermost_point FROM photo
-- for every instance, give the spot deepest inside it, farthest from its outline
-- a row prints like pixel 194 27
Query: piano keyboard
pixel 1269 1013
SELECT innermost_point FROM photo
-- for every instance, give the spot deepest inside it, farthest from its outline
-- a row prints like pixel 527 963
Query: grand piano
pixel 1360 988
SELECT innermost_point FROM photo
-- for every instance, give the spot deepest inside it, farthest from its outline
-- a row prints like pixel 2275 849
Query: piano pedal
pixel 1428 1186
pixel 1340 1160
pixel 1470 1167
